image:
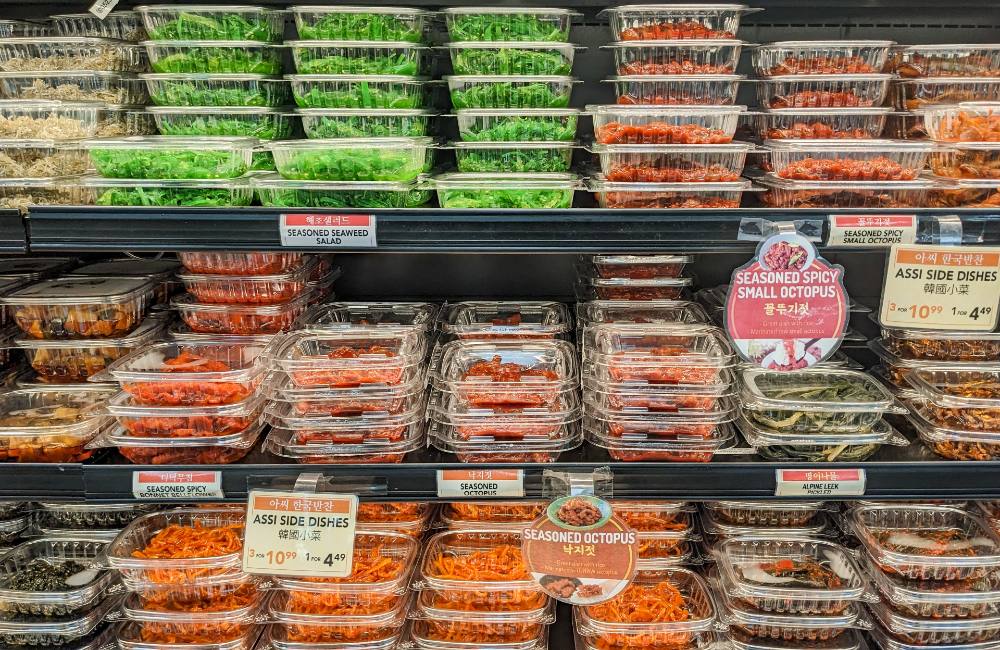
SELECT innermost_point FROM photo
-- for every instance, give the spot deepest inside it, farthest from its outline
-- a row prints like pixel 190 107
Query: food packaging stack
pixel 821 127
pixel 184 582
pixel 410 518
pixel 725 520
pixel 15 522
pixel 637 278
pixel 967 154
pixel 362 96
pixel 510 89
pixel 790 589
pixel 93 520
pixel 818 414
pixel 668 140
pixel 505 392
pixel 350 385
pixel 51 595
pixel 934 569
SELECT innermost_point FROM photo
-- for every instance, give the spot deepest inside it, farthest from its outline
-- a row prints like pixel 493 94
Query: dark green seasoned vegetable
pixel 197 93
pixel 515 160
pixel 41 575
pixel 514 198
pixel 505 27
pixel 220 60
pixel 834 391
pixel 298 198
pixel 359 95
pixel 228 27
pixel 309 61
pixel 191 197
pixel 524 129
pixel 343 26
pixel 167 163
pixel 489 61
pixel 361 126
pixel 268 126
pixel 351 164
pixel 509 95
pixel 818 453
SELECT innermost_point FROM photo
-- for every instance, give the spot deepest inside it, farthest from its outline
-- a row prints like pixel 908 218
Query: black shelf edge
pixel 13 233
pixel 97 229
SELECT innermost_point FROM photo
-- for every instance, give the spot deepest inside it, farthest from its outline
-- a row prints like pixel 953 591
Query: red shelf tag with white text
pixel 786 309
pixel 872 230
pixel 820 483
pixel 328 231
pixel 179 485
pixel 480 483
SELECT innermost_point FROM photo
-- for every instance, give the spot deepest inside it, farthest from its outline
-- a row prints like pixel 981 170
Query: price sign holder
pixel 480 483
pixel 302 532
pixel 827 483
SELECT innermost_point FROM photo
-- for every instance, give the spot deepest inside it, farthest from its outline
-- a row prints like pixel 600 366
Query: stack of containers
pixel 204 149
pixel 510 89
pixel 818 414
pixel 188 402
pixel 15 522
pixel 634 278
pixel 724 520
pixel 95 520
pixel 793 589
pixel 350 386
pixel 186 587
pixel 519 345
pixel 667 142
pixel 657 392
pixel 968 156
pixel 361 95
pixel 935 569
pixel 821 127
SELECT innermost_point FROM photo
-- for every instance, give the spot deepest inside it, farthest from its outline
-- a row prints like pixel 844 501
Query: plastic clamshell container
pixel 664 196
pixel 967 193
pixel 823 90
pixel 274 191
pixel 465 514
pixel 80 307
pixel 952 443
pixel 195 377
pixel 351 358
pixel 212 22
pixel 318 629
pixel 960 387
pixel 35 268
pixel 248 289
pixel 22 193
pixel 915 94
pixel 368 23
pixel 11 530
pixel 510 91
pixel 57 603
pixel 511 191
pixel 358 91
pixel 223 121
pixel 281 442
pixel 966 160
pixel 168 193
pixel 517 125
pixel 904 540
pixel 746 566
pixel 683 399
pixel 27 54
pixel 821 123
pixel 696 449
pixel 785 193
pixel 639 424
pixel 639 267
pixel 39 119
pixel 239 263
pixel 964 122
pixel 348 315
pixel 664 163
pixel 654 516
pixel 42 158
pixel 115 121
pixel 349 428
pixel 850 639
pixel 623 124
pixel 934 632
pixel 491 449
pixel 508 24
pixel 139 420
pixel 321 123
pixel 661 354
pixel 169 157
pixel 74 85
pixel 516 157
pixel 498 58
pixel 31 632
pixel 655 312
pixel 765 513
pixel 847 160
pixel 213 57
pixel 358 57
pixel 478 424
pixel 809 446
pixel 790 402
pixel 141 571
pixel 940 60
pixel 174 450
pixel 88 518
pixel 490 320
pixel 674 90
pixel 676 57
pixel 682 21
pixel 800 628
pixel 238 319
pixel 119 25
pixel 635 289
pixel 130 637
pixel 200 89
pixel 61 361
pixel 352 159
pixel 820 57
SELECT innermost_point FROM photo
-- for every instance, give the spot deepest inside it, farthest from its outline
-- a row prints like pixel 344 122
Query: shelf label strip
pixel 872 230
pixel 302 230
pixel 480 483
pixel 182 486
pixel 820 483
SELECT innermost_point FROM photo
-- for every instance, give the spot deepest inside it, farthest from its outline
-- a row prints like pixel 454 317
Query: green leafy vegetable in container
pixel 492 61
pixel 350 164
pixel 526 160
pixel 227 27
pixel 263 161
pixel 505 27
pixel 361 95
pixel 302 198
pixel 358 126
pixel 167 163
pixel 265 126
pixel 523 129
pixel 812 420
pixel 402 64
pixel 513 198
pixel 509 95
pixel 219 60
pixel 343 26
pixel 191 93
pixel 174 197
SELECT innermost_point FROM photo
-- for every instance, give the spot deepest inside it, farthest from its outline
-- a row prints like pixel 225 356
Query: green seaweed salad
pixel 523 129
pixel 256 26
pixel 835 391
pixel 264 126
pixel 303 198
pixel 167 163
pixel 220 60
pixel 518 160
pixel 513 198
pixel 506 27
pixel 360 94
pixel 365 126
pixel 261 93
pixel 346 26
pixel 192 197
pixel 312 61
pixel 351 164
pixel 509 95
pixel 491 61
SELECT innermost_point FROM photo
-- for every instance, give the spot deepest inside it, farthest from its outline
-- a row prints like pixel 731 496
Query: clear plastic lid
pixel 81 291
pixel 338 315
pixel 192 362
pixel 475 560
pixel 933 598
pixel 47 412
pixel 850 639
pixel 499 319
pixel 352 9
pixel 655 312
pixel 934 631
pixel 78 554
pixel 44 632
pixel 675 344
pixel 737 613
pixel 169 142
pixel 282 442
pixel 958 386
pixel 150 329
pixel 880 433
pixel 540 181
pixel 387 556
pixel 846 145
pixel 35 268
pixel 773 181
pixel 130 266
pixel 501 365
pixel 814 390
pixel 554 144
pixel 601 184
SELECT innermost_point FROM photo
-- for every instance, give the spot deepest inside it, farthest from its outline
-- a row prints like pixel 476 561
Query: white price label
pixel 480 483
pixel 328 230
pixel 102 8
pixel 872 230
pixel 300 534
pixel 820 483
pixel 182 486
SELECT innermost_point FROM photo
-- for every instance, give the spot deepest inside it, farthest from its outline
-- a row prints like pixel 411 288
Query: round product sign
pixel 579 551
pixel 786 309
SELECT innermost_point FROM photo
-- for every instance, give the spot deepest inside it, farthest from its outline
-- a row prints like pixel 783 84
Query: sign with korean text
pixel 786 309
pixel 179 485
pixel 872 230
pixel 480 483
pixel 820 483
pixel 328 230
pixel 941 288
pixel 102 8
pixel 579 551
pixel 300 533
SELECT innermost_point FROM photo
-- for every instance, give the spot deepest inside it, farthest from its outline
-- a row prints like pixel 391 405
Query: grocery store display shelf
pixel 13 234
pixel 62 229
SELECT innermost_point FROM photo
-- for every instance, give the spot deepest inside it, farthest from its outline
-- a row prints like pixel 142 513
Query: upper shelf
pixel 64 229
